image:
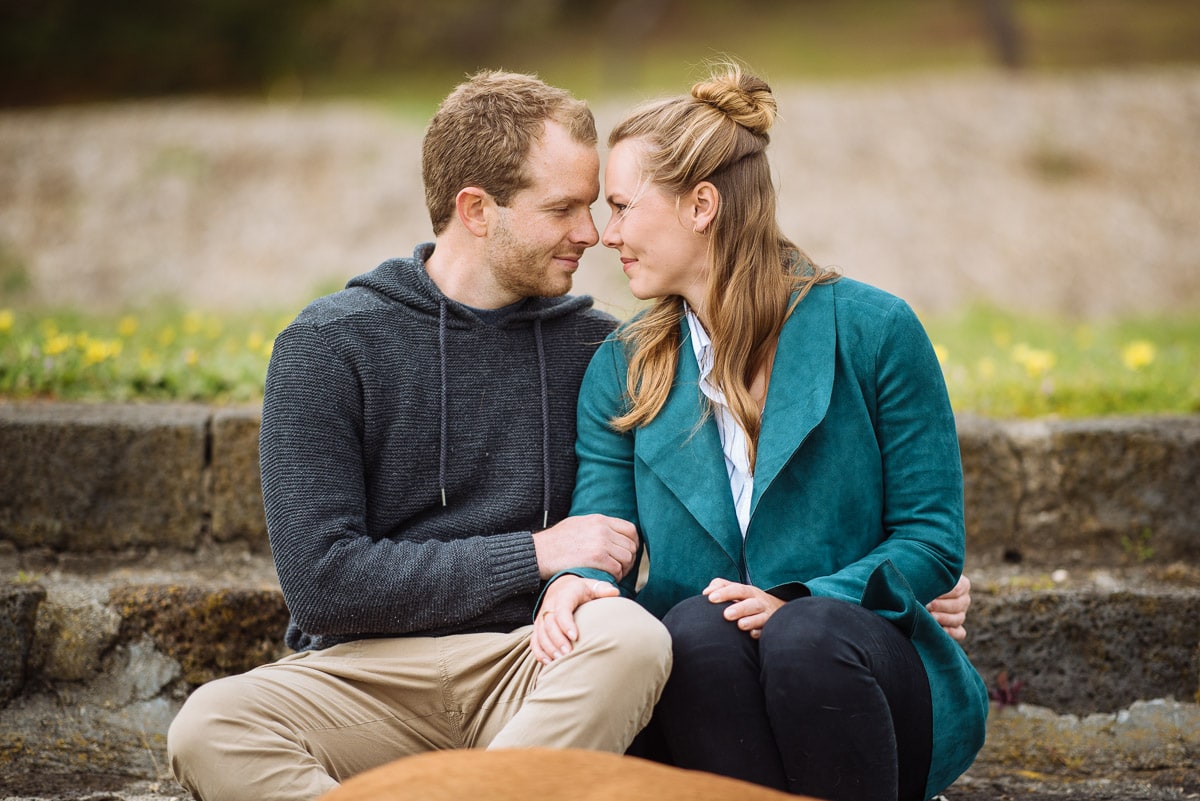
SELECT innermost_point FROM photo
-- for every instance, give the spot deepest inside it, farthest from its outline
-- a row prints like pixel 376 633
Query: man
pixel 417 453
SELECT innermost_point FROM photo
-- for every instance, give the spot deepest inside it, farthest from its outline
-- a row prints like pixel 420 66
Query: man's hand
pixel 752 607
pixel 605 543
pixel 950 610
pixel 554 629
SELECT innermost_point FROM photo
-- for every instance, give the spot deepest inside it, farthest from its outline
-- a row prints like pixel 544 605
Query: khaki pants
pixel 295 728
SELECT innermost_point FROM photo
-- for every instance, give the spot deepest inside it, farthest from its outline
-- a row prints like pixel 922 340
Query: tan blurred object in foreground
pixel 519 775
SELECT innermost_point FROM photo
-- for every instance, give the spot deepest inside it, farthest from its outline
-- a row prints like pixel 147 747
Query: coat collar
pixel 801 385
pixel 682 447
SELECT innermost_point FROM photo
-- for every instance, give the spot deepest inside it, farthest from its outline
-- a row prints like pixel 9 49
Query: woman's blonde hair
pixel 755 275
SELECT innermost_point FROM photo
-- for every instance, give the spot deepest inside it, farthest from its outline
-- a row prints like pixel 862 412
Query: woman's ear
pixel 705 202
pixel 472 205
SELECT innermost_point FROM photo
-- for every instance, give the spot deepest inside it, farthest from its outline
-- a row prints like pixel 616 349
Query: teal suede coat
pixel 857 488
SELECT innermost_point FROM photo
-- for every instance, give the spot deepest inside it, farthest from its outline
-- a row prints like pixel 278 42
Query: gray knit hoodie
pixel 409 450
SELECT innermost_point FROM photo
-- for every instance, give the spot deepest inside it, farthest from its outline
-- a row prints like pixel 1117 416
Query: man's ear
pixel 472 204
pixel 705 200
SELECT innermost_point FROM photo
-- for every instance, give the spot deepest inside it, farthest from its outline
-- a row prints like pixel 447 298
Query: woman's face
pixel 660 251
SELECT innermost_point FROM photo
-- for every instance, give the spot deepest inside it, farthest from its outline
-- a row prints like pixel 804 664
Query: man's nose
pixel 585 232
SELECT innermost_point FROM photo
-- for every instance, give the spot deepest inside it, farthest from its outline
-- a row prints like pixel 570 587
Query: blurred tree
pixel 1004 32
pixel 62 50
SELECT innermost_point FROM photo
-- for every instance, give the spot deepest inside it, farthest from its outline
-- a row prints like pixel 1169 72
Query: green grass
pixel 996 364
pixel 1004 365
pixel 160 356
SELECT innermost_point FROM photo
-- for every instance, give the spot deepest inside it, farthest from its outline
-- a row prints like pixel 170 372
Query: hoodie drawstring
pixel 545 400
pixel 541 352
pixel 442 365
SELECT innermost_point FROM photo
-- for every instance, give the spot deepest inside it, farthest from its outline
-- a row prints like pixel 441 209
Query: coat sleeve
pixel 923 523
pixel 604 479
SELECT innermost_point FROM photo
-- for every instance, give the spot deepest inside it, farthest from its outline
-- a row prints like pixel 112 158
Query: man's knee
pixel 206 721
pixel 626 632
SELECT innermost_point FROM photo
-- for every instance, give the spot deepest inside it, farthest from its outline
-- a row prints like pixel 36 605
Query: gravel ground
pixel 1073 194
pixel 1163 786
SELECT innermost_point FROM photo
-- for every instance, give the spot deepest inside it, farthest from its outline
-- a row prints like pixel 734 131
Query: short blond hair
pixel 482 132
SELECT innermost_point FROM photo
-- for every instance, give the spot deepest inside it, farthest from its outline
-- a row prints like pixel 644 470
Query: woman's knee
pixel 697 620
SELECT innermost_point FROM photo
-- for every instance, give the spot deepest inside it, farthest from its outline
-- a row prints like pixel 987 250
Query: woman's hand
pixel 751 607
pixel 554 628
pixel 950 610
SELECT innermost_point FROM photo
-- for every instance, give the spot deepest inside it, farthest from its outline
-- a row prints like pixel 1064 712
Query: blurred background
pixel 1031 154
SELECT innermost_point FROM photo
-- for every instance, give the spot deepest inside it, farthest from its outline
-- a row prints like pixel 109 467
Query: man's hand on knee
pixel 950 610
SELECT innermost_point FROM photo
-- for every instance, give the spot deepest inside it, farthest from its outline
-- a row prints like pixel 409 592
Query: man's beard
pixel 526 271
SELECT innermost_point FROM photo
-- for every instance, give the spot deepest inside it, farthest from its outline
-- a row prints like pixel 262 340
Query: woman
pixel 783 440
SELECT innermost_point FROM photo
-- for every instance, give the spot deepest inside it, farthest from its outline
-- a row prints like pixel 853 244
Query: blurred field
pixel 1072 194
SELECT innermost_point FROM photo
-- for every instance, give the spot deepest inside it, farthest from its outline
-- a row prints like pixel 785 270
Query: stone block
pixel 1087 651
pixel 102 476
pixel 1109 491
pixel 74 631
pixel 18 614
pixel 210 631
pixel 235 484
pixel 1160 734
pixel 992 485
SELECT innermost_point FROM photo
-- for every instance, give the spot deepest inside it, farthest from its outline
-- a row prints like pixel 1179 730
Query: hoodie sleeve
pixel 338 580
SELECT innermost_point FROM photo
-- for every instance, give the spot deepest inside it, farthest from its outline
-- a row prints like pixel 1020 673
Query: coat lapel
pixel 687 457
pixel 801 385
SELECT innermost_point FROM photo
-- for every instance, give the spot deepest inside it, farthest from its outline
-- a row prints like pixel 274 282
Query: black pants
pixel 832 701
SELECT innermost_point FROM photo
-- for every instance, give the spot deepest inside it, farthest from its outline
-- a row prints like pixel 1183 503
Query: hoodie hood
pixel 406 281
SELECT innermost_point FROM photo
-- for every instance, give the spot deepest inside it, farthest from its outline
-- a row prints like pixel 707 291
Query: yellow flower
pixel 1001 337
pixel 6 320
pixel 1035 361
pixel 1138 354
pixel 127 326
pixel 59 343
pixel 98 350
pixel 941 353
pixel 191 357
pixel 193 321
pixel 254 341
pixel 986 368
pixel 166 336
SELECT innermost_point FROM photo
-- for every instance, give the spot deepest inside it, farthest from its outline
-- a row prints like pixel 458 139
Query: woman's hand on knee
pixel 554 627
pixel 749 607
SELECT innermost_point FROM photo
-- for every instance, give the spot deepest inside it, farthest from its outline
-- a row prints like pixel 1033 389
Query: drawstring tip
pixel 443 496
pixel 545 518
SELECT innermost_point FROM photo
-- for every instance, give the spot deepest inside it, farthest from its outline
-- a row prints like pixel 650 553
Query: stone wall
pixel 89 477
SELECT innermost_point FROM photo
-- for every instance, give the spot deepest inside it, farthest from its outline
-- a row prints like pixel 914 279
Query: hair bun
pixel 745 99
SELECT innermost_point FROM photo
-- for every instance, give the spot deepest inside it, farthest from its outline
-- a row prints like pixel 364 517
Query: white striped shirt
pixel 733 438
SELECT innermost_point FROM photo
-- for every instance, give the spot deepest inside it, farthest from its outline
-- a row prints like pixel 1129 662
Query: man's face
pixel 541 235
